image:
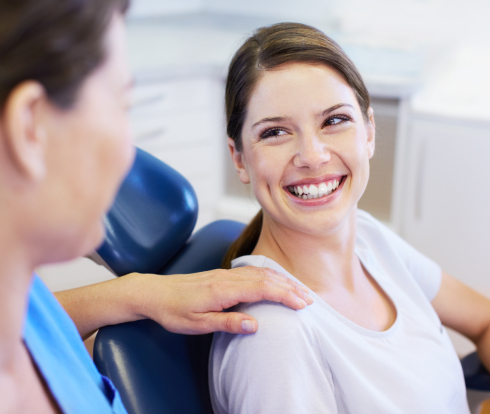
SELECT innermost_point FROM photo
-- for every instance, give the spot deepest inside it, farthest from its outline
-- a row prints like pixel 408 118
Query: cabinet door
pixel 447 208
pixel 180 121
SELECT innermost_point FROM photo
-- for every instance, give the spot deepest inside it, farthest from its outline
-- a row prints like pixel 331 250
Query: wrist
pixel 133 297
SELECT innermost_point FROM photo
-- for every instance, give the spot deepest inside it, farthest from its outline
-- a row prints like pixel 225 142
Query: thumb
pixel 232 322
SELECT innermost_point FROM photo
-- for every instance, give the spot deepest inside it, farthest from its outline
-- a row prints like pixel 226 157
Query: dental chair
pixel 147 231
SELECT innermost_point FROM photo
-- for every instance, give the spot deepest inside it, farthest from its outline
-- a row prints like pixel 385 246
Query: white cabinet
pixel 181 122
pixel 447 198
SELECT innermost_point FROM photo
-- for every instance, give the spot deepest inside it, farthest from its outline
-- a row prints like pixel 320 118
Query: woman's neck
pixel 319 261
pixel 22 389
pixel 15 278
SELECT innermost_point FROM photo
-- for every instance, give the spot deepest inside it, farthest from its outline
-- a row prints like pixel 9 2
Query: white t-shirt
pixel 317 361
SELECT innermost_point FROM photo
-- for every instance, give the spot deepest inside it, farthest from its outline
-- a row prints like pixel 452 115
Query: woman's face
pixel 306 147
pixel 88 152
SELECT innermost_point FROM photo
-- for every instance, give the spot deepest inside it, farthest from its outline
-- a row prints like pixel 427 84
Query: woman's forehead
pixel 299 86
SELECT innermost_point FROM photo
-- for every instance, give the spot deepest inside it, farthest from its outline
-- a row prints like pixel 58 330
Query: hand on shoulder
pixel 193 304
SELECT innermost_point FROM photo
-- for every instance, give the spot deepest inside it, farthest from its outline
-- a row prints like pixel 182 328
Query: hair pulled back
pixel 269 48
pixel 55 42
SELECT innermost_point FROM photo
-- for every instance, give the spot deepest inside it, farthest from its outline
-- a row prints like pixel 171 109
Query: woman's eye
pixel 273 132
pixel 336 120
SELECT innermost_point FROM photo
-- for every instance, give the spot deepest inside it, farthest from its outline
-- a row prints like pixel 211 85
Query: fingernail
pixel 301 303
pixel 309 299
pixel 248 326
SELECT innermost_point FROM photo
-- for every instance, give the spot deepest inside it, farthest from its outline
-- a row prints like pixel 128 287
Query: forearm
pixel 101 304
pixel 189 304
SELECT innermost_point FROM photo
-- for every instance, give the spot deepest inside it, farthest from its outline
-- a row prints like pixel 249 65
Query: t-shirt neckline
pixel 366 263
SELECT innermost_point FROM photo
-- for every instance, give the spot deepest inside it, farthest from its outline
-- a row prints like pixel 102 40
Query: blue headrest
pixel 166 207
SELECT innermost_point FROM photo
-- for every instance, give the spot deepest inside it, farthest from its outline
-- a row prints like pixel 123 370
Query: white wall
pixel 152 8
pixel 446 21
pixel 314 10
pixel 440 20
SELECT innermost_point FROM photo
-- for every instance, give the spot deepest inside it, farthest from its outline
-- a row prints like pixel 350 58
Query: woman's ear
pixel 237 157
pixel 371 133
pixel 23 133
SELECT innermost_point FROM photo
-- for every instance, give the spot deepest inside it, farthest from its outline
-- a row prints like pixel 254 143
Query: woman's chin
pixel 97 237
pixel 90 240
pixel 317 223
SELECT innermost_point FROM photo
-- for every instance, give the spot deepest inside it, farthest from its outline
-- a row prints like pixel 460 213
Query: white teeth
pixel 313 190
pixel 322 190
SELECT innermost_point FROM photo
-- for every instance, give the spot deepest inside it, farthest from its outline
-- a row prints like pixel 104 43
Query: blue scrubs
pixel 60 355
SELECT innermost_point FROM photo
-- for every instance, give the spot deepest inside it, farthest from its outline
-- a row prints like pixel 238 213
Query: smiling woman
pixel 301 133
pixel 269 51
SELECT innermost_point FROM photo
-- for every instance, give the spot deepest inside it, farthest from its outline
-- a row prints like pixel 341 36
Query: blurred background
pixel 426 64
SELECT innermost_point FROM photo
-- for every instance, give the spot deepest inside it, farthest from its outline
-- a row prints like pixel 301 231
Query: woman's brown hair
pixel 55 42
pixel 267 49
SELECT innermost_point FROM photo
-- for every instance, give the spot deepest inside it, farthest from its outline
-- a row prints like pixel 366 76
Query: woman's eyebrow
pixel 273 119
pixel 288 118
pixel 333 108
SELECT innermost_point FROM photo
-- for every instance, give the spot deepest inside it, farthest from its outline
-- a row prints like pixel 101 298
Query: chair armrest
pixel 476 375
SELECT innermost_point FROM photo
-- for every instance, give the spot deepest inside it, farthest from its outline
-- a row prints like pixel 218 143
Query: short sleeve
pixel 279 369
pixel 425 271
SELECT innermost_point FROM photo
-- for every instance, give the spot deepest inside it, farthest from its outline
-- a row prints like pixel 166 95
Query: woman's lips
pixel 317 190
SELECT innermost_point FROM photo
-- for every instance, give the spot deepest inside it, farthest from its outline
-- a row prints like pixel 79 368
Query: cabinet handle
pixel 419 182
pixel 149 135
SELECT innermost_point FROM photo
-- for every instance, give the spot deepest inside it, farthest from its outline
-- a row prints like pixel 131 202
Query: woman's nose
pixel 312 152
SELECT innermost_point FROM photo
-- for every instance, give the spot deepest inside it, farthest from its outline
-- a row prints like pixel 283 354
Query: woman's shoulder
pixel 283 335
pixel 284 353
pixel 277 323
pixel 55 345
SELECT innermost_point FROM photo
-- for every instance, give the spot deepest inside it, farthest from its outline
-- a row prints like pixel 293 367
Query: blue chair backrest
pixel 157 371
pixel 152 217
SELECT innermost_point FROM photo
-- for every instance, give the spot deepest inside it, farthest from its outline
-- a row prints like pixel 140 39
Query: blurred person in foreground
pixel 64 150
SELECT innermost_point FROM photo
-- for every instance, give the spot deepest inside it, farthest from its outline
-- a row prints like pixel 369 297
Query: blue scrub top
pixel 60 355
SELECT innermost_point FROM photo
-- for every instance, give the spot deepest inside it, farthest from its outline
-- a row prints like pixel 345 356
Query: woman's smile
pixel 317 188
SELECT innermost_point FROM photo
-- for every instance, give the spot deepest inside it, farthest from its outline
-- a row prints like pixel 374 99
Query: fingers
pixel 287 295
pixel 263 284
pixel 270 274
pixel 301 291
pixel 298 289
pixel 232 322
